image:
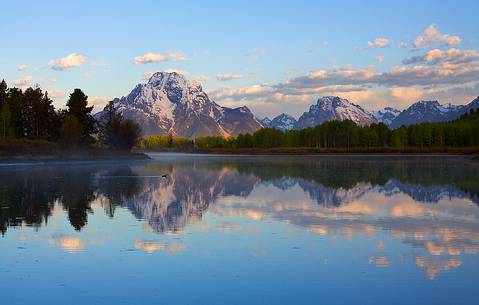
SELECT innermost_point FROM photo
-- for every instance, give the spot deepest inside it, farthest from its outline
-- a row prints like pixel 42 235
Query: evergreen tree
pixel 5 116
pixel 71 131
pixel 15 100
pixel 3 92
pixel 78 106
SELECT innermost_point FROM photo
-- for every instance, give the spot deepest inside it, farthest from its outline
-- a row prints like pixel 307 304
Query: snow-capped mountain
pixel 386 115
pixel 265 121
pixel 330 108
pixel 427 111
pixel 472 105
pixel 169 103
pixel 283 122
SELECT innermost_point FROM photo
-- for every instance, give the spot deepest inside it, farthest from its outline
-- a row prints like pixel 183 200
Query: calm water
pixel 241 230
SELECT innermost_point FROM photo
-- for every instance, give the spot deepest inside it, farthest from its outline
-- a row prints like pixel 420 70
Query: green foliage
pixel 71 131
pixel 128 134
pixel 167 142
pixel 5 117
pixel 78 106
pixel 117 133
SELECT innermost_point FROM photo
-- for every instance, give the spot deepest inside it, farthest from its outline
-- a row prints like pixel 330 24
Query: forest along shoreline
pixel 31 129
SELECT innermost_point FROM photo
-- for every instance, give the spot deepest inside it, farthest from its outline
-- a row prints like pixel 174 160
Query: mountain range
pixel 170 104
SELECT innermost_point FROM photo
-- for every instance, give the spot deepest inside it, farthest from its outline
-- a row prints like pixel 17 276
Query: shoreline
pixel 474 151
pixel 73 157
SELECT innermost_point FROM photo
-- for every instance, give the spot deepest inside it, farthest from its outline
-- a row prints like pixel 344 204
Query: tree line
pixel 463 132
pixel 29 114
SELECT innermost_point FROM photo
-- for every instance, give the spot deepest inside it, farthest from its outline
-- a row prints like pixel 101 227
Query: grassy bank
pixel 309 150
pixel 39 150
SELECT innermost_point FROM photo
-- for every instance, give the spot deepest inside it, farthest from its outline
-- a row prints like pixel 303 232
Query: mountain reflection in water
pixel 427 203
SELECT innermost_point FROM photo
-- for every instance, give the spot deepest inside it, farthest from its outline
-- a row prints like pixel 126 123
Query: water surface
pixel 184 229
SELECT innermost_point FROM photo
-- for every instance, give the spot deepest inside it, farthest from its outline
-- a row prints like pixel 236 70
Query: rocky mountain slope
pixel 330 108
pixel 426 111
pixel 283 122
pixel 386 115
pixel 169 103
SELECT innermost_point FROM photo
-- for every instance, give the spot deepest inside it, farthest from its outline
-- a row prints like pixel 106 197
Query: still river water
pixel 187 229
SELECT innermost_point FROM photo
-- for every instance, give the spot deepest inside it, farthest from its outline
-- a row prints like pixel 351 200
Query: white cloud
pixel 70 61
pixel 90 74
pixel 379 58
pixel 56 94
pixel 201 78
pixel 156 57
pixel 254 91
pixel 46 80
pixel 179 71
pixel 23 82
pixel 98 102
pixel 22 68
pixel 380 42
pixel 432 35
pixel 402 45
pixel 228 76
pixel 452 56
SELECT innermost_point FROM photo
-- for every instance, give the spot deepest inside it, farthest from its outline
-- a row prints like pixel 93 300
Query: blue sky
pixel 273 56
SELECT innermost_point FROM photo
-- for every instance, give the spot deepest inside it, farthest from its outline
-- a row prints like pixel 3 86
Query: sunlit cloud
pixel 90 74
pixel 151 57
pixel 201 78
pixel 431 35
pixel 57 94
pixel 451 56
pixel 98 102
pixel 228 76
pixel 379 58
pixel 380 42
pixel 23 81
pixel 70 61
pixel 22 68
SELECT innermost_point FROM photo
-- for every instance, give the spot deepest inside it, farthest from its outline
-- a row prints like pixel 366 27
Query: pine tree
pixel 15 100
pixel 78 106
pixel 3 92
pixel 5 116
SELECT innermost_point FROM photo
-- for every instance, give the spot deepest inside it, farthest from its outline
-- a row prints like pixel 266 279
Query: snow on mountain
pixel 472 105
pixel 283 122
pixel 386 115
pixel 169 103
pixel 265 121
pixel 330 108
pixel 427 111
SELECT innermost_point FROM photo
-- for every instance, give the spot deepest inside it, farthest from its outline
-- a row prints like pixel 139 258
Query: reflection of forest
pixel 27 195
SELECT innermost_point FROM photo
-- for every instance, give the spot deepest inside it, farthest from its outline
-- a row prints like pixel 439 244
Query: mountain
pixel 386 115
pixel 472 105
pixel 169 103
pixel 265 121
pixel 330 108
pixel 427 111
pixel 283 122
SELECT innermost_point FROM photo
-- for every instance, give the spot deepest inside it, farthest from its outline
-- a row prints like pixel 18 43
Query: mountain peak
pixel 427 111
pixel 329 108
pixel 170 103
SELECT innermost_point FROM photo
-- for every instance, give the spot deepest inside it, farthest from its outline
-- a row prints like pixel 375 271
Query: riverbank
pixel 44 151
pixel 313 151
